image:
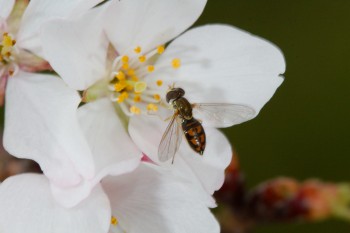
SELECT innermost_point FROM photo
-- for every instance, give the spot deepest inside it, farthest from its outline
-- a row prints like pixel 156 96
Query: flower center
pixel 129 86
pixel 8 54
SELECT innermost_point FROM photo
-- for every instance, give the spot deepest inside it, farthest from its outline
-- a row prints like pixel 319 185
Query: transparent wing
pixel 221 115
pixel 171 140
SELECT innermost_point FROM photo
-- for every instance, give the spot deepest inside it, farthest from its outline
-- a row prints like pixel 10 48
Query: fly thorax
pixel 184 108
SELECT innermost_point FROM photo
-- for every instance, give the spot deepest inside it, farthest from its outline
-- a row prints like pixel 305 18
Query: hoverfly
pixel 182 122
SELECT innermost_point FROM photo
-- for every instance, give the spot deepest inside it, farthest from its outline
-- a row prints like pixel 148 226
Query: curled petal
pixel 39 12
pixel 83 60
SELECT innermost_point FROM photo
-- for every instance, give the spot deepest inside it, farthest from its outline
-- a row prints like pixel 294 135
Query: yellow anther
pixel 114 221
pixel 125 59
pixel 135 110
pixel 152 107
pixel 137 99
pixel 160 49
pixel 156 97
pixel 150 68
pixel 134 78
pixel 138 49
pixel 142 58
pixel 129 87
pixel 140 87
pixel 7 40
pixel 119 86
pixel 125 66
pixel 176 63
pixel 131 72
pixel 159 83
pixel 120 76
pixel 123 96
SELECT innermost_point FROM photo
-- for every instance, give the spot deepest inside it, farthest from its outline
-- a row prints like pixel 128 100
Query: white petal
pixel 77 49
pixel 6 7
pixel 222 64
pixel 152 200
pixel 27 206
pixel 149 23
pixel 41 124
pixel 113 151
pixel 206 170
pixel 209 169
pixel 40 11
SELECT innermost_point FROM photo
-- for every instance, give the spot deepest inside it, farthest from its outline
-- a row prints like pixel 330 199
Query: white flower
pixel 213 64
pixel 41 118
pixel 149 200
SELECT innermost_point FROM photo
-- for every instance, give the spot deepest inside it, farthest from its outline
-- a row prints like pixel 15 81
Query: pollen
pixel 120 76
pixel 140 87
pixel 135 110
pixel 159 83
pixel 137 99
pixel 152 107
pixel 119 86
pixel 156 97
pixel 138 50
pixel 125 59
pixel 150 68
pixel 125 66
pixel 176 63
pixel 123 96
pixel 114 221
pixel 160 49
pixel 134 78
pixel 142 58
pixel 131 72
pixel 7 40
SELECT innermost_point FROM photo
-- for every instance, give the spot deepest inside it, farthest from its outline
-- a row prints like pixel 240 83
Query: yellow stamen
pixel 131 72
pixel 140 87
pixel 7 40
pixel 160 49
pixel 135 110
pixel 152 107
pixel 119 86
pixel 138 49
pixel 156 97
pixel 159 83
pixel 123 96
pixel 150 68
pixel 129 87
pixel 176 63
pixel 142 58
pixel 134 78
pixel 120 76
pixel 125 59
pixel 125 66
pixel 137 99
pixel 114 221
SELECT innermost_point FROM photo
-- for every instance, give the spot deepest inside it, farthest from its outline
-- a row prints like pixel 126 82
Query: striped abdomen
pixel 194 134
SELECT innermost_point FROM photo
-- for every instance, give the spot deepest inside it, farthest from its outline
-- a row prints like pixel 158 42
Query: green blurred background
pixel 303 131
